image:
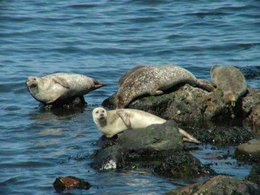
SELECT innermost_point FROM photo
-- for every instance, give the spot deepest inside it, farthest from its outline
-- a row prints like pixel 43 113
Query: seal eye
pixel 96 112
pixel 103 111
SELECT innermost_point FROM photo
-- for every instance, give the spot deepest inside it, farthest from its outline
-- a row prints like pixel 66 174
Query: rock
pixel 148 148
pixel 219 185
pixel 68 103
pixel 254 120
pixel 182 165
pixel 254 175
pixel 250 100
pixel 70 182
pixel 222 135
pixel 157 137
pixel 191 105
pixel 249 151
pixel 203 113
pixel 251 110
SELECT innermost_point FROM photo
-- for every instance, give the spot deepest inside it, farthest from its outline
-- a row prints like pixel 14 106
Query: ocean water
pixel 103 39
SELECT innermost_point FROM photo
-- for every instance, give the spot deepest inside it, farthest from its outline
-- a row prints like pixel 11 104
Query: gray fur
pixel 230 81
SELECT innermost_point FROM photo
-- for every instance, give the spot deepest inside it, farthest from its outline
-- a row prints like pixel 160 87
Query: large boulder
pixel 149 148
pixel 219 185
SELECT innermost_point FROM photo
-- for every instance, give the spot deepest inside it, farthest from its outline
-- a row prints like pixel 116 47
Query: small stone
pixel 70 182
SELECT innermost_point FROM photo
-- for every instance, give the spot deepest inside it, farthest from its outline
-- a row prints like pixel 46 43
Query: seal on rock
pixel 230 81
pixel 154 80
pixel 59 86
pixel 115 121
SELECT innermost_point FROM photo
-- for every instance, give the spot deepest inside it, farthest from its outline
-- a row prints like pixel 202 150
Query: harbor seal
pixel 153 80
pixel 230 81
pixel 59 86
pixel 115 121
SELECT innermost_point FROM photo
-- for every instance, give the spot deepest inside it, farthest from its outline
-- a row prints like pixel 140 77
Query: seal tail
pixel 188 137
pixel 98 84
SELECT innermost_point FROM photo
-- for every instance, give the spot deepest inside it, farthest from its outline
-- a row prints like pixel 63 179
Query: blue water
pixel 103 39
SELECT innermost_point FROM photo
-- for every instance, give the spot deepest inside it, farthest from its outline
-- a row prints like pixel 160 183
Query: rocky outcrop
pixel 219 185
pixel 202 113
pixel 158 147
pixel 191 105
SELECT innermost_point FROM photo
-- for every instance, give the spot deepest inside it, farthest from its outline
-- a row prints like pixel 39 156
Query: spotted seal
pixel 59 86
pixel 115 121
pixel 231 81
pixel 154 80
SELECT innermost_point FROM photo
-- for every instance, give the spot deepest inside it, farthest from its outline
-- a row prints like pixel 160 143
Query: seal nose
pixel 101 115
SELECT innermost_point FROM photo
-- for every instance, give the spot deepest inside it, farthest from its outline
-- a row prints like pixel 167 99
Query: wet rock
pixel 249 151
pixel 254 120
pixel 250 101
pixel 204 113
pixel 254 175
pixel 219 185
pixel 148 148
pixel 222 135
pixel 70 182
pixel 185 104
pixel 191 105
pixel 182 165
pixel 68 103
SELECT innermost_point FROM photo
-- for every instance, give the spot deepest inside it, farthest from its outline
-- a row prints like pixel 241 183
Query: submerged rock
pixel 249 151
pixel 70 182
pixel 219 185
pixel 149 148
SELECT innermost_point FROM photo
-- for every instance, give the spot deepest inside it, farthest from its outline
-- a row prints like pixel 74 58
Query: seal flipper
pixel 98 84
pixel 206 85
pixel 187 137
pixel 125 118
pixel 62 82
